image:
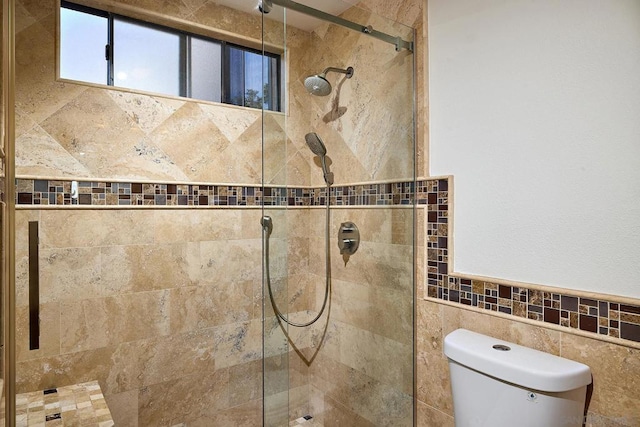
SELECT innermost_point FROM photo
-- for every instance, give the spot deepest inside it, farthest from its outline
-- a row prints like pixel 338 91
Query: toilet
pixel 499 384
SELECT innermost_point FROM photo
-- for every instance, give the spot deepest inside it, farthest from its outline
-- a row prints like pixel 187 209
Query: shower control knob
pixel 348 238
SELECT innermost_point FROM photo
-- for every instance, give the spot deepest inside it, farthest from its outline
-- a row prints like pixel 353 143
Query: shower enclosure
pixel 143 219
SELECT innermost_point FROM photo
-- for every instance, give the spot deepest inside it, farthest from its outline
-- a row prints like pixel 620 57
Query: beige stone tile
pixel 596 420
pixel 370 354
pixel 92 228
pixel 245 382
pixel 432 373
pixel 235 122
pixel 407 12
pixel 237 343
pixel 385 312
pixel 37 93
pixel 375 225
pixel 248 414
pixel 198 307
pixel 69 274
pixel 37 153
pixel 172 357
pixel 228 19
pixel 49 341
pixel 430 417
pixel 277 148
pixel 145 111
pixel 102 123
pixel 364 397
pixel 101 322
pixel 197 225
pixel 176 9
pixel 298 402
pixel 616 385
pixel 184 400
pixel 137 268
pixel 230 261
pixel 379 265
pixel 124 408
pixel 204 142
pixel 26 15
pixel 145 161
pixel 276 374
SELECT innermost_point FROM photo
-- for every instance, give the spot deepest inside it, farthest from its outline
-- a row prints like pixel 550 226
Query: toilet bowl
pixel 499 384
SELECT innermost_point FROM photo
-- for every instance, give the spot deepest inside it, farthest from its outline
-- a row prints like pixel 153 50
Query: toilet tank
pixel 500 384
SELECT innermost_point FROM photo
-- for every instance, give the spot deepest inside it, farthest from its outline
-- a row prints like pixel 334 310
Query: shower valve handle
pixel 348 238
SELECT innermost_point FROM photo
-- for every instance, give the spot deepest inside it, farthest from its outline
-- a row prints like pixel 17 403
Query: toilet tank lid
pixel 520 365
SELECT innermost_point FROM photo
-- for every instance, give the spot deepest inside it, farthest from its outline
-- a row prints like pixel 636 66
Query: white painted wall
pixel 535 110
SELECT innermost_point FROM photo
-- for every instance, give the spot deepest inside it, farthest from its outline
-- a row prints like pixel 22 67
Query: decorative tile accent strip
pixel 93 193
pixel 79 404
pixel 602 317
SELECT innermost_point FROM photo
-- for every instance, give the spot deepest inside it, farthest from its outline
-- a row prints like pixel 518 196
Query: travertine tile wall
pixel 158 306
pixel 69 130
pixel 161 307
pixel 367 121
pixel 362 374
pixel 356 368
pixel 110 269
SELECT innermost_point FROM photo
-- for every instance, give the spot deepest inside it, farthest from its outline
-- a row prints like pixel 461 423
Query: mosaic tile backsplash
pixel 602 317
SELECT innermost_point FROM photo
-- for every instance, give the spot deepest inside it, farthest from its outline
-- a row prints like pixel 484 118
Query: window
pixel 105 48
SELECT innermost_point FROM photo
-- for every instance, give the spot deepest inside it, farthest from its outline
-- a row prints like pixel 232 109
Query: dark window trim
pixel 185 52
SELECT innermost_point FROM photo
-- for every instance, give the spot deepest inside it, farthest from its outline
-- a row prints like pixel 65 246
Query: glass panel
pixel 281 363
pixel 83 38
pixel 363 344
pixel 206 70
pixel 146 58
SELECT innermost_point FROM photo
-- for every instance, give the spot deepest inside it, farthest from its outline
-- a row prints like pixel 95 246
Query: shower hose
pixel 267 226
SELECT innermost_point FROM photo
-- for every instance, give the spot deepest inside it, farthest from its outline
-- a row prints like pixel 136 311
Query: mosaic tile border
pixel 598 316
pixel 602 317
pixel 30 192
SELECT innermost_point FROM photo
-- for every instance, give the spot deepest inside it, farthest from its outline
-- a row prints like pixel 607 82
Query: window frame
pixel 185 58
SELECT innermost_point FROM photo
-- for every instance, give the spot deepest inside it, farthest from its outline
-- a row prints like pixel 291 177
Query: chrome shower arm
pixel 348 71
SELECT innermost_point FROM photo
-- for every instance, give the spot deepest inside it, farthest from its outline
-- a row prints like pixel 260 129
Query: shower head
pixel 315 144
pixel 318 83
pixel 317 147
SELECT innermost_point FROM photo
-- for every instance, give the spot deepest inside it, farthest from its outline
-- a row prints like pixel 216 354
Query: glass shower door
pixel 352 147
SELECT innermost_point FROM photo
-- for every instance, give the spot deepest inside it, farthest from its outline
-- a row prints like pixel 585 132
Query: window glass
pixel 205 70
pixel 146 58
pixel 235 77
pixel 253 79
pixel 271 88
pixel 102 47
pixel 83 37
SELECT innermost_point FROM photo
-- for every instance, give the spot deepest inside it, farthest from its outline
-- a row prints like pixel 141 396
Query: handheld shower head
pixel 317 147
pixel 319 85
pixel 315 144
